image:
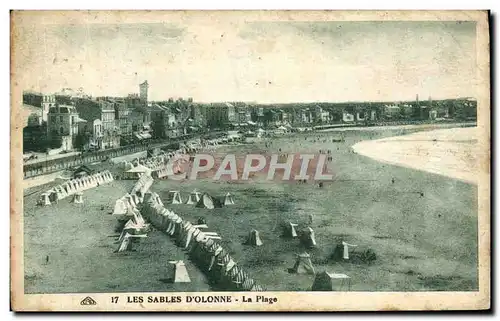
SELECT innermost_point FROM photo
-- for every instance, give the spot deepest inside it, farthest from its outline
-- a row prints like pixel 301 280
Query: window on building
pixel 61 119
pixel 61 130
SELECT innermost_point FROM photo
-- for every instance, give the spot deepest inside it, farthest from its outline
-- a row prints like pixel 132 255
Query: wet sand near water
pixel 448 152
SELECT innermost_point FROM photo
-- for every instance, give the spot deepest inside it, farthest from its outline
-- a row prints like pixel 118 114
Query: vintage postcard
pixel 250 160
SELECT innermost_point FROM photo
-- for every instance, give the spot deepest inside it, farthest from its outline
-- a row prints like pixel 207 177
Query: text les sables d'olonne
pixel 196 299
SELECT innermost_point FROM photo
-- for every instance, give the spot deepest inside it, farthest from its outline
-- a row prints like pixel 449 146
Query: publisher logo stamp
pixel 88 301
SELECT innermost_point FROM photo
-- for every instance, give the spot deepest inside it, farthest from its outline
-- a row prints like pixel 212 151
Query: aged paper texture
pixel 250 160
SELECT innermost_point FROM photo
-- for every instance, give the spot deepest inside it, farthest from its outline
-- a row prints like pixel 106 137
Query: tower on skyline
pixel 143 91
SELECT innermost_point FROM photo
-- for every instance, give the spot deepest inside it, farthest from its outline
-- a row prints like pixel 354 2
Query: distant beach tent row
pixel 200 200
pixel 162 165
pixel 158 166
pixel 75 187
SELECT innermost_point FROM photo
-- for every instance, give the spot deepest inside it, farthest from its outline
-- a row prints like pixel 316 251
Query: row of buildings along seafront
pixel 237 114
pixel 71 120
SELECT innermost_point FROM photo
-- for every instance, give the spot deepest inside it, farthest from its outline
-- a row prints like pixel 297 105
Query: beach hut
pixel 290 230
pixel 303 264
pixel 194 197
pixel 228 199
pixel 78 198
pixel 326 281
pixel 175 197
pixel 53 196
pixel 136 172
pixel 120 208
pixel 178 272
pixel 254 238
pixel 346 249
pixel 44 199
pixel 307 237
pixel 207 201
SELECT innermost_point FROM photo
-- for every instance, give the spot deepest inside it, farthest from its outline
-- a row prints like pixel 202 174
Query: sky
pixel 267 62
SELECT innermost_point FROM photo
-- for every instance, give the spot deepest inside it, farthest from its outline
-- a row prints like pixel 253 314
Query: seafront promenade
pixel 45 167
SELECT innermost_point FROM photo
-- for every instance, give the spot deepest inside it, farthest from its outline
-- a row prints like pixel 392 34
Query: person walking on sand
pixel 310 219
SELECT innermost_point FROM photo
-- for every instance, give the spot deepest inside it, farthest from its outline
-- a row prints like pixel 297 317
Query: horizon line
pixel 267 102
pixel 326 102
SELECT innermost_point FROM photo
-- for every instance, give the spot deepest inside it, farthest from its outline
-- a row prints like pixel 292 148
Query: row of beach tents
pixel 126 210
pixel 195 239
pixel 201 200
pixel 204 250
pixel 202 246
pixel 126 206
pixel 195 198
pixel 142 185
pixel 75 187
pixel 158 166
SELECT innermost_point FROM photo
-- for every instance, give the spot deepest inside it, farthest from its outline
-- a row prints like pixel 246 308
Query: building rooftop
pixel 106 105
pixel 32 92
pixel 159 107
pixel 63 109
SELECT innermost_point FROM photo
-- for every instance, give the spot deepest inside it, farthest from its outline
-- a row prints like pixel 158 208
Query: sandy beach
pixel 422 226
pixel 448 152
